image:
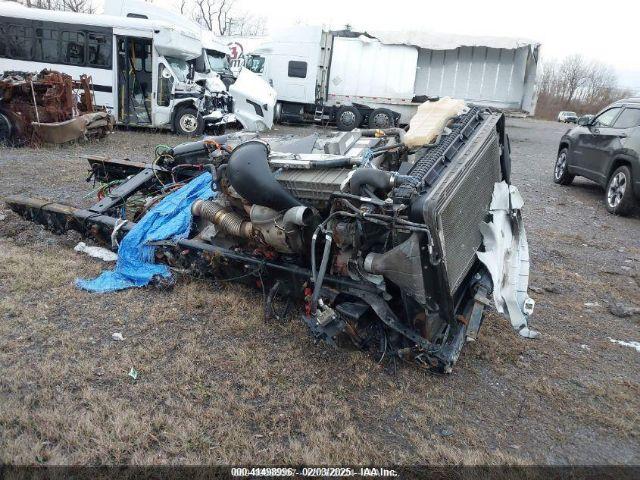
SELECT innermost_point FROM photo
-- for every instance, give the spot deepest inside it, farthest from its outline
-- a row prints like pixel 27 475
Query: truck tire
pixel 188 122
pixel 348 118
pixel 6 129
pixel 381 118
pixel 619 194
pixel 277 113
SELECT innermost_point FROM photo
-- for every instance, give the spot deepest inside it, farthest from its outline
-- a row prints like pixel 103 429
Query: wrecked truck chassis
pixel 422 288
pixel 222 264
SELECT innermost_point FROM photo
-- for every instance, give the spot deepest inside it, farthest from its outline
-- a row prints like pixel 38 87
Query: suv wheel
pixel 561 173
pixel 619 194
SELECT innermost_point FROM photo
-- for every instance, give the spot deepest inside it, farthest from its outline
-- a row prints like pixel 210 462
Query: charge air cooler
pixel 459 203
pixel 457 180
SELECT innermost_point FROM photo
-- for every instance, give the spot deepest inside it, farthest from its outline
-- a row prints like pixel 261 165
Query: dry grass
pixel 218 385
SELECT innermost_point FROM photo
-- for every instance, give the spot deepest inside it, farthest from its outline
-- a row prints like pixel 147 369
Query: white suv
pixel 568 117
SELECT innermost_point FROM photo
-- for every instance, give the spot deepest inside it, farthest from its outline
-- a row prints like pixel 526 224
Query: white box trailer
pixel 379 79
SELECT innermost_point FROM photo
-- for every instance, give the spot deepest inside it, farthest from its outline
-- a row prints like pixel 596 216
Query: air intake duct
pixel 249 174
pixel 402 265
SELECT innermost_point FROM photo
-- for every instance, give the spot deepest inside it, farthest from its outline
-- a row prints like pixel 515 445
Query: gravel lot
pixel 219 385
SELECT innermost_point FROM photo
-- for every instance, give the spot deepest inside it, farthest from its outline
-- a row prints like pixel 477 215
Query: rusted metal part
pixel 87 97
pixel 50 107
pixel 202 258
pixel 60 132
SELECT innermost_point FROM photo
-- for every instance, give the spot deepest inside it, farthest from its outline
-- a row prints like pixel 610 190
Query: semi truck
pixel 378 79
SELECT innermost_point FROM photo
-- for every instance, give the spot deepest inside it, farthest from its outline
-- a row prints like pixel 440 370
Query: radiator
pixel 459 202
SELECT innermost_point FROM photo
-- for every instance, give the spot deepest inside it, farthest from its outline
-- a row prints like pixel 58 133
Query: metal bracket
pixel 123 191
pixel 481 300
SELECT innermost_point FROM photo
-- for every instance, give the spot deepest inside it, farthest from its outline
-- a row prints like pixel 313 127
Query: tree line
pixel 78 6
pixel 220 16
pixel 574 84
pixel 223 18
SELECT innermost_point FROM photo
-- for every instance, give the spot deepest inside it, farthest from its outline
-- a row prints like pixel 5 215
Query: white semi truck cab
pixel 377 80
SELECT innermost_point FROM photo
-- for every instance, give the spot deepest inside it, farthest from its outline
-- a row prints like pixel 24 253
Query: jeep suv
pixel 605 149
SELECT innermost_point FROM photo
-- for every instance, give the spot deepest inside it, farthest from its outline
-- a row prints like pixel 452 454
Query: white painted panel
pixel 490 74
pixel 477 73
pixel 516 90
pixel 422 72
pixel 450 75
pixel 501 92
pixel 371 69
pixel 437 72
pixel 463 80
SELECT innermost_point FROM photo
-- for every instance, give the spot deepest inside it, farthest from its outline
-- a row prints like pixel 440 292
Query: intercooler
pixel 458 202
pixel 463 204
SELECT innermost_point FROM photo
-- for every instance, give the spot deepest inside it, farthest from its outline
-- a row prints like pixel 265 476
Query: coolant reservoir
pixel 430 120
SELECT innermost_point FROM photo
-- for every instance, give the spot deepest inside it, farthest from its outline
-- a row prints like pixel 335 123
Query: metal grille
pixel 463 210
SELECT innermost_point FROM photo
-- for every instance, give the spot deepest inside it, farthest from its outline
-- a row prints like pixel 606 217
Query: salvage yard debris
pixel 96 252
pixel 49 107
pixel 389 249
pixel 133 373
pixel 632 344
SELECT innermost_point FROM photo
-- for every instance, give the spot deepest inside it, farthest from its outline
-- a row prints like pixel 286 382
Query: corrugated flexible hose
pixel 228 220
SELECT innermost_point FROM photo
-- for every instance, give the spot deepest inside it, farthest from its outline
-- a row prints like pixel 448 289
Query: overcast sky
pixel 602 30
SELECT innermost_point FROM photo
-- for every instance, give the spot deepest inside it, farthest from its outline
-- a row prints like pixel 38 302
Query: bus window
pixel 165 85
pixel 19 42
pixel 148 59
pixel 73 48
pixel 179 67
pixel 218 61
pixel 46 48
pixel 99 50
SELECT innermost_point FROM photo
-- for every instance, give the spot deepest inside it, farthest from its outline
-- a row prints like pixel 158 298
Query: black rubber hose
pixel 332 163
pixel 249 174
pixel 194 150
pixel 378 179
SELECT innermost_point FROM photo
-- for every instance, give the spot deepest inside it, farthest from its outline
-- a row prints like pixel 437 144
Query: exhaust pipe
pixel 226 219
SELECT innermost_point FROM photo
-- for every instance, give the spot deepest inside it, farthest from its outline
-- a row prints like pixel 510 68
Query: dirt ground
pixel 218 385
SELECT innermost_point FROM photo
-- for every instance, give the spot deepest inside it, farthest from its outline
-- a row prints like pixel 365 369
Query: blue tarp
pixel 169 220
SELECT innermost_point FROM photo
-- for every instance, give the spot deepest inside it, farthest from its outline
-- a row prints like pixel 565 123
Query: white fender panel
pixel 506 256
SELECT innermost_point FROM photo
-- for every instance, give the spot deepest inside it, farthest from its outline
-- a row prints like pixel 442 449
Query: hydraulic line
pixel 323 269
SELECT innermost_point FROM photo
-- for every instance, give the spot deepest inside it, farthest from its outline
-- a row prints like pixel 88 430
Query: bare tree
pixel 80 6
pixel 573 84
pixel 214 15
pixel 221 17
pixel 247 25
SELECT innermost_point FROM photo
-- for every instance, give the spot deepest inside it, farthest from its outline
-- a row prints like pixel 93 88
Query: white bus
pixel 253 99
pixel 140 68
